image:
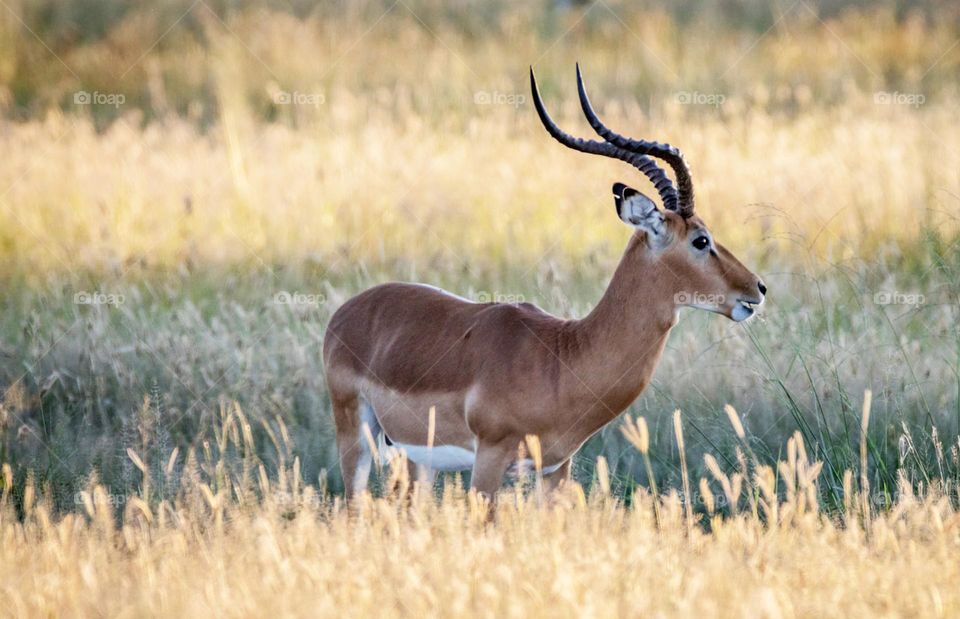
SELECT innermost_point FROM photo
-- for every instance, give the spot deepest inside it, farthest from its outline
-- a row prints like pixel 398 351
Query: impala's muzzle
pixel 746 306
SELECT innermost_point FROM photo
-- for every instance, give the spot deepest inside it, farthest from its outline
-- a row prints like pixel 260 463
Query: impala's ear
pixel 637 210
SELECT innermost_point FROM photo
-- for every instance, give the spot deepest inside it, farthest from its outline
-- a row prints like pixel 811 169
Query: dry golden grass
pixel 233 543
pixel 844 183
pixel 393 151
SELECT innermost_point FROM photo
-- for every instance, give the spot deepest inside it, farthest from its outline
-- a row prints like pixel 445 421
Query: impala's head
pixel 701 272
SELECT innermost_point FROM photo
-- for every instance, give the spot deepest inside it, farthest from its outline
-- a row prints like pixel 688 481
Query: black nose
pixel 763 289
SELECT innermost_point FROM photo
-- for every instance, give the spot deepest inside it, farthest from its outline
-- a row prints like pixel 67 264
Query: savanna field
pixel 188 191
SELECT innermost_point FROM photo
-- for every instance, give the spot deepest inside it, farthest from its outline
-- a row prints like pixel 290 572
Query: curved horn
pixel 670 154
pixel 659 178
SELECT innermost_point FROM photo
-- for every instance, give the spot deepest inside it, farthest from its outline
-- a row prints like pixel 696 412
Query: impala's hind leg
pixel 356 457
pixel 553 480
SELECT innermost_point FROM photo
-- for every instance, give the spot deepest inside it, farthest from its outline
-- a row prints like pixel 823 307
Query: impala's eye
pixel 701 242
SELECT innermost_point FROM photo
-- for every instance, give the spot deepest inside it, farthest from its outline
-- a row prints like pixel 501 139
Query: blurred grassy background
pixel 176 173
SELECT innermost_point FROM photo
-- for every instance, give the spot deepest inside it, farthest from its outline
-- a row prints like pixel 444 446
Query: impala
pixel 497 372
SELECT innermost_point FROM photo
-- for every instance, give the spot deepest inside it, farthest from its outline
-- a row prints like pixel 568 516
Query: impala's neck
pixel 616 347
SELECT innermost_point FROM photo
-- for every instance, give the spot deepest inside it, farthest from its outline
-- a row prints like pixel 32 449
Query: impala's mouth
pixel 744 309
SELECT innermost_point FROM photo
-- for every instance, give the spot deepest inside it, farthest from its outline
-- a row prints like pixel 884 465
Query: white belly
pixel 453 458
pixel 440 458
pixel 446 458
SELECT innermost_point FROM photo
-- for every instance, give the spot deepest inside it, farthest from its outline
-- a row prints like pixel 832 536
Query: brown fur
pixel 498 372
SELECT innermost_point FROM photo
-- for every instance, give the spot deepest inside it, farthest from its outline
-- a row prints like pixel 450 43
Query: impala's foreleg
pixel 489 467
